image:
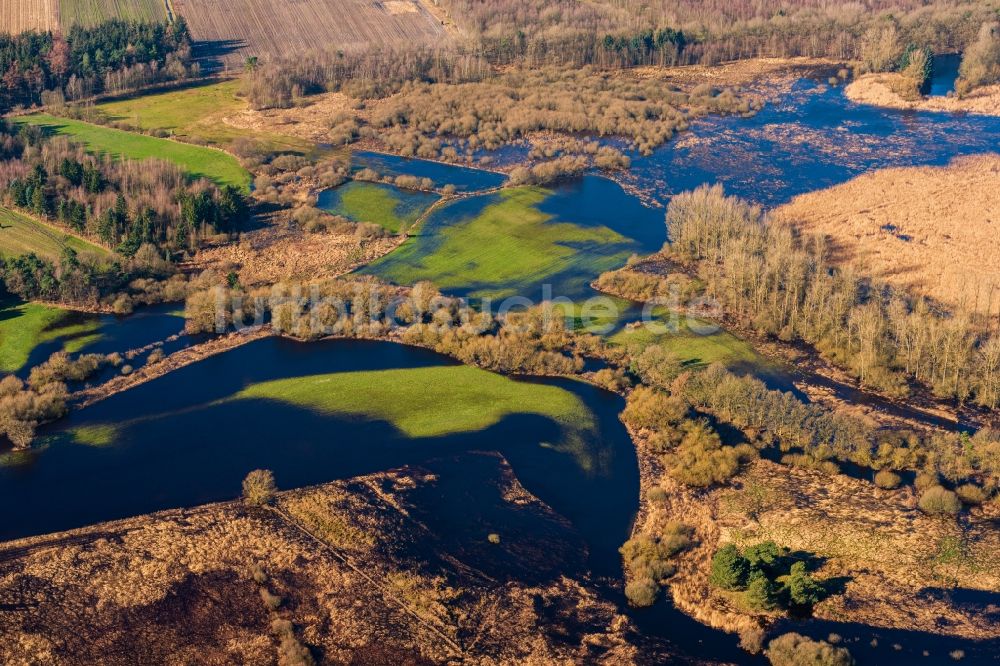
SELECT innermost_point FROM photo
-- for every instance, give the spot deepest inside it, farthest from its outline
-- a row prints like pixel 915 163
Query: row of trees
pixel 532 342
pixel 114 55
pixel 783 284
pixel 121 204
pixel 367 74
pixel 632 32
pixel 665 409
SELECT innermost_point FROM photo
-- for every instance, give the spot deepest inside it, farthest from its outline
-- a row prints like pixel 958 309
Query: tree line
pixel 149 213
pixel 783 284
pixel 658 32
pixel 113 56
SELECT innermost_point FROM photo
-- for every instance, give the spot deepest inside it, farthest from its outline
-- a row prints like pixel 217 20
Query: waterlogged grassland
pixel 425 402
pixel 20 234
pixel 509 243
pixel 196 160
pixel 696 344
pixel 422 402
pixel 24 326
pixel 385 205
pixel 197 112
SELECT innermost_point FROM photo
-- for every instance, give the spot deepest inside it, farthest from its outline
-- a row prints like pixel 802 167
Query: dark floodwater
pixel 114 333
pixel 810 138
pixel 943 74
pixel 176 448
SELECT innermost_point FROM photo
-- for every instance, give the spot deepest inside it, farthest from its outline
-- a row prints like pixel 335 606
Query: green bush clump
pixel 762 571
pixel 729 569
pixel 803 591
pixel 761 594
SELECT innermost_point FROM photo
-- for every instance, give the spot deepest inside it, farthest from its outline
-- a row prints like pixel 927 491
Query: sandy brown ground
pixel 934 230
pixel 311 121
pixel 875 541
pixel 279 29
pixel 875 89
pixel 362 569
pixel 741 72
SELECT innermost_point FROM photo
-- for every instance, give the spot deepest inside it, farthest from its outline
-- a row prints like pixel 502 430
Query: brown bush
pixel 939 501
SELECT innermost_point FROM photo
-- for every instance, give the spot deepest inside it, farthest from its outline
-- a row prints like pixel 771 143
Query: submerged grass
pixel 381 204
pixel 508 246
pixel 198 161
pixel 425 402
pixel 696 347
pixel 422 402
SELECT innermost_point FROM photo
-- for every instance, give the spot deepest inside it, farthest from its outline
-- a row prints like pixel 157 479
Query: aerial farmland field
pixel 92 12
pixel 18 15
pixel 20 234
pixel 241 28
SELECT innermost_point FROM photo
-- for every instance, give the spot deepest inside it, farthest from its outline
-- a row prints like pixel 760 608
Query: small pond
pixel 943 74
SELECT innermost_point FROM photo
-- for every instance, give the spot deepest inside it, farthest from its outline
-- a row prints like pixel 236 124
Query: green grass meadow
pixel 196 112
pixel 20 234
pixel 23 326
pixel 198 161
pixel 412 398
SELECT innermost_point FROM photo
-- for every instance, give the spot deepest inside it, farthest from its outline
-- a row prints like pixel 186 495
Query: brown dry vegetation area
pixel 486 111
pixel 887 551
pixel 19 15
pixel 279 252
pixel 933 230
pixel 879 90
pixel 311 120
pixel 385 585
pixel 263 28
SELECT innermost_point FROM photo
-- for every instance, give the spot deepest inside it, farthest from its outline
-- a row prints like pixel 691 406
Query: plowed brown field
pixel 241 28
pixel 19 15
